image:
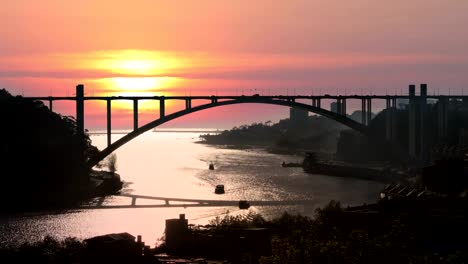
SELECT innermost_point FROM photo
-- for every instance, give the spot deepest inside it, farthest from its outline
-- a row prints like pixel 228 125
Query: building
pixel 298 116
pixel 334 107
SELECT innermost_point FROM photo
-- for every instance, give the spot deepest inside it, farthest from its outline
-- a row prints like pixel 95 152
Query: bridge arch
pixel 135 133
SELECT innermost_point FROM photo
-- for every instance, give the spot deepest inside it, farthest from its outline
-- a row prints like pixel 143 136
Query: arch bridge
pixel 296 101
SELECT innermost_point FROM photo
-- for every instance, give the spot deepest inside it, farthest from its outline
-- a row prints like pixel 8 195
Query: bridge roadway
pixel 183 202
pixel 240 97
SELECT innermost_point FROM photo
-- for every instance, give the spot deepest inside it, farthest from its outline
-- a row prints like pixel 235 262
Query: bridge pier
pixel 343 107
pixel 442 119
pixel 109 127
pixel 394 120
pixel 162 107
pixel 388 120
pixel 135 114
pixel 319 103
pixel 188 103
pixel 338 106
pixel 363 112
pixel 369 111
pixel 391 120
pixel 412 121
pixel 80 108
pixel 423 153
pixel 50 103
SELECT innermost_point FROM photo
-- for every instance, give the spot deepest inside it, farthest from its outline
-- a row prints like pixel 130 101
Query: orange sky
pixel 229 47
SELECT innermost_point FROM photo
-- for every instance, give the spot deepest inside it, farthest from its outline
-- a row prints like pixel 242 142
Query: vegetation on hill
pixel 43 159
pixel 317 133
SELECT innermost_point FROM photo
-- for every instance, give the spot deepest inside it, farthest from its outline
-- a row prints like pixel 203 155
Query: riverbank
pixel 103 183
pixel 326 164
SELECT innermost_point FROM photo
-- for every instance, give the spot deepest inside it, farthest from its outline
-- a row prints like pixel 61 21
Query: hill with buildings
pixel 300 131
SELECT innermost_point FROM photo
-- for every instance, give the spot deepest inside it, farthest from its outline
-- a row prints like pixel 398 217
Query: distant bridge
pixel 314 105
pixel 184 202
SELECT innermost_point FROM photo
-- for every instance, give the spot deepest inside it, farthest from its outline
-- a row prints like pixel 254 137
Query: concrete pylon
pixel 363 112
pixel 162 108
pixel 394 120
pixel 412 121
pixel 442 119
pixel 343 107
pixel 109 122
pixel 423 150
pixel 388 120
pixel 135 114
pixel 369 111
pixel 80 108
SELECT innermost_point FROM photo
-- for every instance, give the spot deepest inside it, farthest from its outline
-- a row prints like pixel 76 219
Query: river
pixel 172 164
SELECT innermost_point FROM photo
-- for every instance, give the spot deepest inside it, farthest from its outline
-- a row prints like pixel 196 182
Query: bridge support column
pixel 318 103
pixel 442 119
pixel 388 120
pixel 188 103
pixel 412 121
pixel 50 103
pixel 162 107
pixel 314 104
pixel 394 119
pixel 363 112
pixel 423 152
pixel 80 108
pixel 338 106
pixel 369 111
pixel 109 126
pixel 135 114
pixel 343 107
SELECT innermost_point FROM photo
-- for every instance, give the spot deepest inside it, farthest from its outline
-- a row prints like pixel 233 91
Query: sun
pixel 136 62
pixel 132 72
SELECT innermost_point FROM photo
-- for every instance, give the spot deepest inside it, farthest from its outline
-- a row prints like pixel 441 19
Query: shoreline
pixel 378 172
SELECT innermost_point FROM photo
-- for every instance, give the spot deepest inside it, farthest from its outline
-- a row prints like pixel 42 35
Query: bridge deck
pixel 240 97
pixel 184 202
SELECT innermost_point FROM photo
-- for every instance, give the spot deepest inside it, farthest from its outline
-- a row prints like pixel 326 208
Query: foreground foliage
pixel 334 237
pixel 43 157
pixel 330 237
pixel 49 250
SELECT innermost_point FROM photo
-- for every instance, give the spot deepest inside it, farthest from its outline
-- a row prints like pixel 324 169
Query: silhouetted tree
pixel 43 158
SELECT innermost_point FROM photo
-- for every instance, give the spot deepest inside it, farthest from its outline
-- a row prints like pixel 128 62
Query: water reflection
pixel 167 164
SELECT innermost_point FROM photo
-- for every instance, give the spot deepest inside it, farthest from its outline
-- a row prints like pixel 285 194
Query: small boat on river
pixel 219 189
pixel 290 164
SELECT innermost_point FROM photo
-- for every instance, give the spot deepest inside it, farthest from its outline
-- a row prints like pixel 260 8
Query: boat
pixel 243 204
pixel 219 189
pixel 312 165
pixel 291 164
pixel 211 166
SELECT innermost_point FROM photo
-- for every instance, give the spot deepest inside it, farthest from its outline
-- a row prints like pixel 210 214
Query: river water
pixel 173 165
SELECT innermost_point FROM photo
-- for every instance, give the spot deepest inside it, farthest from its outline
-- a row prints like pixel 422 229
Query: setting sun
pixel 134 62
